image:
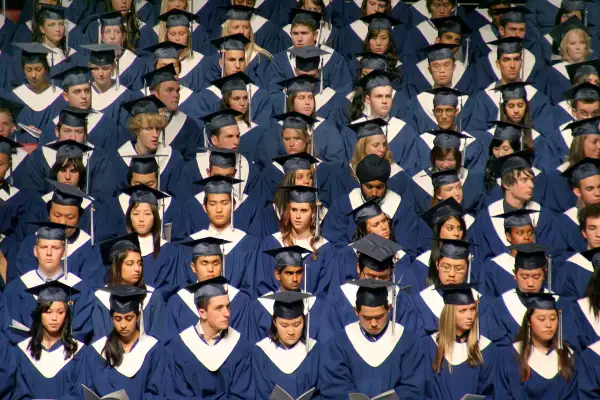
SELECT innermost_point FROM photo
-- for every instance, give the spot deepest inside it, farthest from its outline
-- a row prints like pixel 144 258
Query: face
pixel 235 61
pixel 142 219
pixel 445 116
pixel 523 188
pixel 302 36
pixel 589 190
pixel 176 5
pixel 131 269
pixel 301 215
pixel 292 141
pixel 148 137
pixel 513 29
pixel 149 180
pixel 380 43
pixel 591 146
pixel 530 280
pixel 591 232
pixel 304 103
pixel 68 175
pixel 448 162
pixel 521 235
pixel 451 229
pixel 373 189
pixel 35 75
pixel 441 8
pixel 122 5
pixel 289 330
pixel 376 145
pixel 207 267
pixel 67 215
pixel 586 110
pixel 304 177
pixel 113 35
pixel 125 324
pixel 168 93
pixel 379 225
pixel 373 319
pixel 175 61
pixel 442 72
pixel 465 317
pixel 452 190
pixel 380 100
pixel 368 273
pixel 217 312
pixel 503 150
pixel 515 110
pixel 228 138
pixel 179 35
pixel 310 5
pixel 290 277
pixel 246 3
pixel 4 165
pixel 67 132
pixel 450 38
pixel 49 254
pixel 375 6
pixel 238 100
pixel 7 125
pixel 102 74
pixel 53 318
pixel 218 208
pixel 243 27
pixel 214 170
pixel 510 67
pixel 544 324
pixel 451 271
pixel 79 96
pixel 53 30
pixel 576 46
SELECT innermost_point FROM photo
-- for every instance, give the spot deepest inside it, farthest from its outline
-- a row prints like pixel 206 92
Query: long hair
pixel 439 153
pixel 126 39
pixel 162 25
pixel 226 104
pixel 433 277
pixel 132 26
pixel 37 332
pixel 76 163
pixel 156 226
pixel 564 53
pixel 526 121
pixel 290 103
pixel 361 230
pixel 363 8
pixel 360 152
pixel 576 151
pixel 592 292
pixel 304 136
pixel 390 53
pixel 274 336
pixel 287 233
pixel 115 274
pixel 565 359
pixel 38 36
pixel 358 104
pixel 251 47
pixel 490 177
pixel 113 349
pixel 446 339
pixel 282 197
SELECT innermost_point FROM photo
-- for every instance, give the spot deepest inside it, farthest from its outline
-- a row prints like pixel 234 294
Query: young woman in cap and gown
pixel 375 355
pixel 463 361
pixel 51 362
pixel 378 32
pixel 210 257
pixel 539 364
pixel 127 357
pixel 211 359
pixel 137 13
pixel 124 265
pixel 287 358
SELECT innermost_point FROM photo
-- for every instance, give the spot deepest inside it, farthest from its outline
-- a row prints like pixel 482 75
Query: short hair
pixel 510 178
pixel 138 121
pixel 195 258
pixel 575 103
pixel 591 211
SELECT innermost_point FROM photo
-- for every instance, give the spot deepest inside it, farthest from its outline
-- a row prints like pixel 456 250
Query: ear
pixel 577 192
pixel 573 112
pixel 208 174
pixel 56 131
pixel 497 63
pixel 429 68
pixel 35 251
pixel 501 30
pixel 277 275
pixel 204 208
pixel 368 99
pixel 220 61
pixel 584 234
pixel 357 269
pixel 508 238
pixel 437 39
pixel 64 95
pixel 193 266
pixel 202 314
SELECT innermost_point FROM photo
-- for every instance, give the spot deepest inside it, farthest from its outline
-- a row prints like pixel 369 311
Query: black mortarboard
pixel 74 117
pixel 366 211
pixel 453 23
pixel 221 119
pixel 518 160
pixel 144 194
pixel 529 256
pixel 288 304
pixel 101 53
pixel 560 31
pixel 290 256
pixel 593 256
pixel 440 51
pixel 444 96
pixel 577 70
pixel 143 165
pixel 379 21
pixel 144 105
pixel 447 138
pixel 111 18
pixel 516 218
pixel 308 58
pixel 166 73
pixel 372 60
pixel 14 107
pixel 47 11
pixel 371 127
pixel 373 168
pixel 76 75
pixel 538 301
pixel 222 158
pixel 454 249
pixel 372 292
pixel 52 291
pixel 300 83
pixel 111 247
pixel 8 145
pixel 445 177
pixel 375 252
pixel 238 13
pixel 165 50
pixel 588 126
pixel 573 5
pixel 514 14
pixel 507 130
pixel 207 246
pixel 508 45
pixel 67 195
pixel 301 194
pixel 68 148
pixel 33 53
pixel 376 79
pixel 177 17
pixel 124 298
pixel 295 120
pixel 51 230
pixel 231 42
pixel 208 289
pixel 237 81
pixel 584 90
pixel 295 162
pixel 299 15
pixel 442 211
pixel 218 184
pixel 460 294
pixel 583 169
pixel 513 90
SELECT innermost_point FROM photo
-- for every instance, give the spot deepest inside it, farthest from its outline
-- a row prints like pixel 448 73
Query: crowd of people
pixel 313 199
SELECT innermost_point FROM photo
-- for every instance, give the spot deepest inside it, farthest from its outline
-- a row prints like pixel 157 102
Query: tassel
pixel 223 266
pixel 560 330
pixel 469 268
pixel 550 273
pixel 250 117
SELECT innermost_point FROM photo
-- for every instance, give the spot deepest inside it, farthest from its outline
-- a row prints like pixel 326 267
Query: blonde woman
pixel 261 31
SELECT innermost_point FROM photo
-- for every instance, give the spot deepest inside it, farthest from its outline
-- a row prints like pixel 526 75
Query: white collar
pixel 84 203
pixel 391 201
pixel 37 102
pixel 460 351
pixel 305 243
pixel 374 353
pixel 50 362
pixel 528 61
pixel 125 61
pixel 100 101
pixel 189 63
pixel 212 357
pixel 50 154
pixel 147 244
pixel 546 365
pixel 287 360
pixel 172 130
pixel 32 279
pixel 506 262
pixel 132 361
pixel 571 213
pixel 163 154
pixel 581 261
pixel 234 236
pixel 104 297
pixel 423 179
pixel 434 300
pixel 584 306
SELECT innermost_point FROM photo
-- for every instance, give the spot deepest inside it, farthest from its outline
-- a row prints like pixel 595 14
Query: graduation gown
pixel 39 108
pixel 344 12
pixel 6 68
pixel 7 31
pixel 327 102
pixel 573 276
pixel 267 34
pixel 200 38
pixel 558 82
pixel 14 210
pixel 586 328
pixel 8 368
pixel 567 224
pixel 153 315
pixel 292 369
pixel 497 275
pixel 257 69
pixel 353 38
pixel 422 35
pixel 183 134
pixel 142 373
pixel 19 159
pixel 194 71
pixel 162 272
pixel 544 13
pixel 109 103
pixel 211 372
pixel 420 78
pixel 329 35
pixel 421 111
pixel 418 12
pixel 351 363
pixel 588 373
pixel 51 376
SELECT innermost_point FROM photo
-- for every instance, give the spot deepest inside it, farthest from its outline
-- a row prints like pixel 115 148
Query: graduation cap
pixel 560 31
pixel 445 177
pixel 7 146
pixel 14 107
pixel 513 90
pixel 52 291
pixel 47 11
pixel 379 21
pixel 593 256
pixel 208 289
pixel 529 256
pixel 144 194
pixel 74 117
pixel 372 60
pixel 144 105
pixel 166 73
pixel 237 81
pixel 369 209
pixel 177 17
pixel 221 119
pixel 583 91
pixel 207 246
pixel 375 252
pixel 454 24
pixel 372 292
pixel 124 298
pixel 288 304
pixel 375 79
pixel 67 195
pixel 300 83
pixel 371 127
pixel 111 18
pixel 301 194
pixel 440 51
pixel 510 162
pixel 588 126
pixel 308 58
pixel 444 96
pixel 442 211
pixel 295 162
pixel 231 42
pixel 238 13
pixel 33 53
pixel 165 50
pixel 514 14
pixel 460 294
pixel 507 130
pixel 295 120
pixel 218 184
pixel 51 230
pixel 508 45
pixel 290 256
pixel 573 5
pixel 222 158
pixel 298 15
pixel 101 53
pixel 68 148
pixel 111 247
pixel 583 169
pixel 76 75
pixel 516 218
pixel 577 70
pixel 372 168
pixel 539 301
pixel 143 165
pixel 454 249
pixel 447 138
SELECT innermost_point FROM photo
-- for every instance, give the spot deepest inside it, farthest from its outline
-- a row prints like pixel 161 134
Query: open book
pixel 88 394
pixel 280 394
pixel 472 397
pixel 389 395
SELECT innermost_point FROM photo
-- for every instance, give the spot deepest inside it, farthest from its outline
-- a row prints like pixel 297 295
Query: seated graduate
pixel 145 123
pixel 517 183
pixel 583 72
pixel 182 133
pixel 299 226
pixel 137 13
pixel 292 276
pixel 210 358
pixel 122 256
pixel 287 359
pixel 588 374
pixel 373 173
pixel 329 35
pixel 539 364
pixel 343 14
pixel 162 260
pixel 127 356
pixel 498 273
pixel 49 249
pixel 9 112
pixel 42 100
pixel 51 363
pixel 373 355
pixel 463 361
pixel 209 258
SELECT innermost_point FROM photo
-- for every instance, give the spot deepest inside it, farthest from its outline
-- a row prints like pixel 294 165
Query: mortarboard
pixel 514 14
pixel 583 169
pixel 52 291
pixel 221 119
pixel 288 304
pixel 516 218
pixel 68 148
pixel 376 79
pixel 510 162
pixel 165 50
pixel 144 194
pixel 208 289
pixel 440 51
pixel 442 211
pixel 237 81
pixel 33 53
pixel 375 252
pixel 445 177
pixel 379 21
pixel 369 209
pixel 454 24
pixel 51 230
pixel 538 301
pixel 111 18
pixel 238 13
pixel 75 75
pixel 295 120
pixel 507 130
pixel 372 292
pixel 588 126
pixel 231 42
pixel 218 184
pixel 14 107
pixel 371 127
pixel 372 60
pixel 300 83
pixel 443 96
pixel 573 5
pixel 176 17
pixel 166 73
pixel 447 138
pixel 295 162
pixel 111 247
pixel 593 256
pixel 301 194
pixel 460 294
pixel 560 31
pixel 47 11
pixel 7 146
pixel 74 117
pixel 577 70
pixel 223 158
pixel 308 58
pixel 207 246
pixel 508 45
pixel 144 105
pixel 143 165
pixel 124 298
pixel 299 15
pixel 513 90
pixel 101 53
pixel 290 256
pixel 584 90
pixel 67 195
pixel 529 256
pixel 454 249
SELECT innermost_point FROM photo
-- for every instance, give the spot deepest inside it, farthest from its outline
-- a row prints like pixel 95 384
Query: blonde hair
pixel 564 53
pixel 576 152
pixel 446 338
pixel 250 47
pixel 304 136
pixel 360 152
pixel 140 121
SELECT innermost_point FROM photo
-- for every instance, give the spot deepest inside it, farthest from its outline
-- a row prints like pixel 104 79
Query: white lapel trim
pixel 514 305
pixel 360 28
pixel 584 306
pixel 17 158
pixel 287 360
pixel 323 98
pixel 199 5
pixel 428 31
pixel 374 353
pixel 7 196
pixel 528 61
pixel 581 261
pixel 257 22
pixel 433 300
pixel 572 214
pixel 126 61
pixel 212 357
pixel 100 101
pixel 423 180
pixel 184 94
pixel 506 262
pixel 104 297
pixel 50 155
pixel 390 204
pixel 189 63
pixel 132 361
pixel 37 102
pixel 234 236
pixel 421 7
pixel 497 208
pixel 424 258
pixel 174 127
pixel 595 347
pixel 460 351
pixel 50 362
pixel 31 279
pixel 244 128
pixel 545 365
pixel 562 68
pixel 301 242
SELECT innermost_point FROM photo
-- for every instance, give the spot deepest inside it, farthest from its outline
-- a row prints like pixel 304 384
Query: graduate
pixel 583 72
pixel 210 358
pixel 135 14
pixel 373 355
pixel 424 11
pixel 208 256
pixel 9 112
pixel 587 374
pixel 290 272
pixel 49 249
pixel 329 35
pixel 378 32
pixel 343 14
pixel 539 364
pixel 287 358
pixel 122 256
pixel 9 366
pixel 545 14
pixel 463 360
pixel 373 174
pixel 127 357
pixel 51 362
